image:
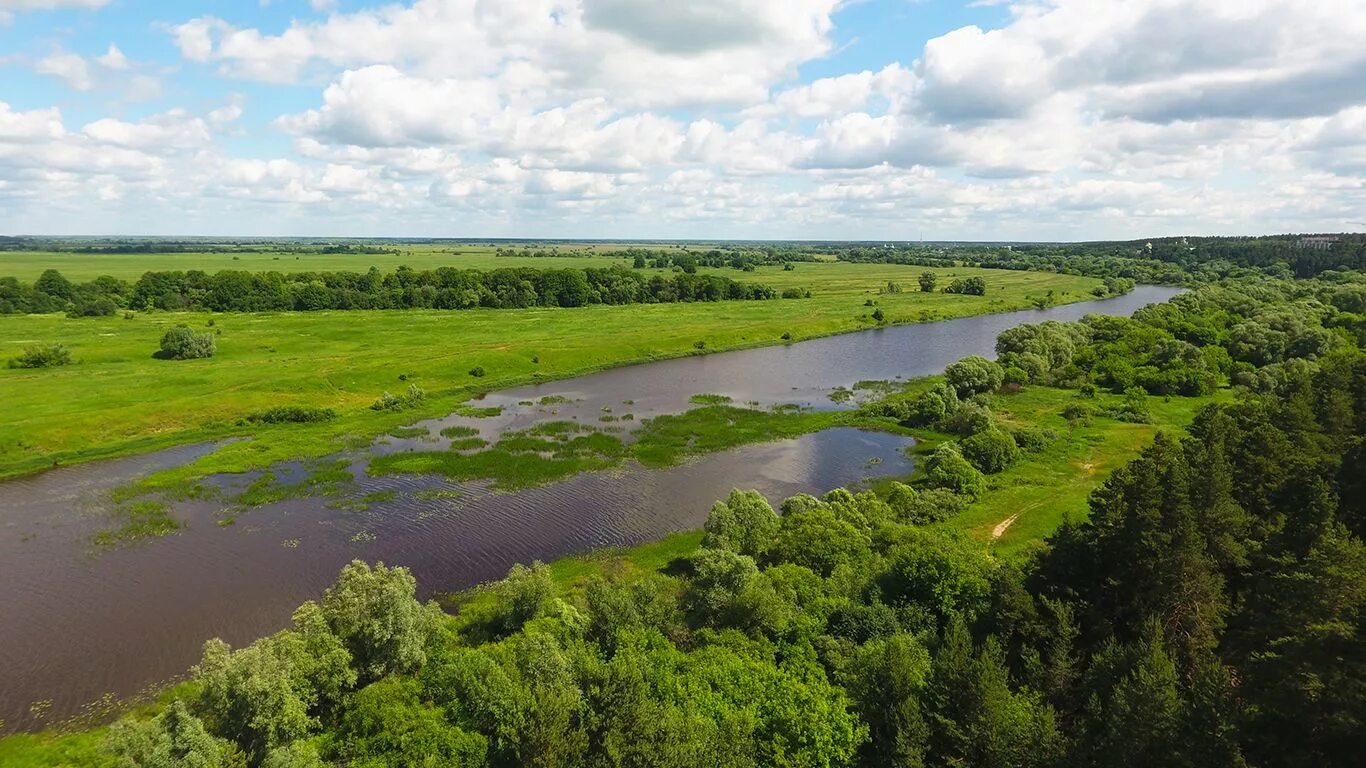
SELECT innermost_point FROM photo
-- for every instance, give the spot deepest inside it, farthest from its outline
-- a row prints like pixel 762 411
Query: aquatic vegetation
pixel 459 431
pixel 408 433
pixel 709 399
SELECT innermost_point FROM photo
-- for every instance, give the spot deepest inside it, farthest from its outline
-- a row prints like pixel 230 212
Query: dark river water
pixel 77 624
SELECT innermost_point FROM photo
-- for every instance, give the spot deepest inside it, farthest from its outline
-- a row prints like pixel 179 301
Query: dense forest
pixel 404 288
pixel 1207 612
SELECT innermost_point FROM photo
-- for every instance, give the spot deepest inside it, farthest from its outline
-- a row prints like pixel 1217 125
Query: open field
pixel 117 399
pixel 27 265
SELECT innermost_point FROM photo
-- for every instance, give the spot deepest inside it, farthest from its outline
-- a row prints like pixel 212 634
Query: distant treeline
pixel 1173 260
pixel 405 288
pixel 746 259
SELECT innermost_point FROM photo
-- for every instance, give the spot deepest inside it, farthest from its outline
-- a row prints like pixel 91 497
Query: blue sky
pixel 885 119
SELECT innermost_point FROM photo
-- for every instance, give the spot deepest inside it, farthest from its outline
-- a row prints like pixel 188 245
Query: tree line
pixel 404 288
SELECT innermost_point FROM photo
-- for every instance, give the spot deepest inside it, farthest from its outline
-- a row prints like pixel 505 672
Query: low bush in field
pixel 292 414
pixel 183 343
pixel 391 402
pixel 42 356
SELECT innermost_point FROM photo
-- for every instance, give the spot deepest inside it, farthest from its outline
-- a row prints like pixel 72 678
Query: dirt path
pixel 1001 527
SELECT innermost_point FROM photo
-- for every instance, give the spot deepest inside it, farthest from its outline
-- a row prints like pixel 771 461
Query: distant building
pixel 1318 242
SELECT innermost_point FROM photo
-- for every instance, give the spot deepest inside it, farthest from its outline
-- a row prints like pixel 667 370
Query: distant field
pixel 27 265
pixel 117 399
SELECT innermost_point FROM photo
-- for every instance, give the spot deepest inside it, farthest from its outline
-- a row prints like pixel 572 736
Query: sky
pixel 738 119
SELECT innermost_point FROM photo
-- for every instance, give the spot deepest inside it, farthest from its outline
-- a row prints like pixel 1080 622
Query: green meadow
pixel 117 399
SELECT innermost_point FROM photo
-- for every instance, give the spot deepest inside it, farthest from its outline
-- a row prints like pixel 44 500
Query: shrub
pixel 933 505
pixel 42 356
pixel 744 523
pixel 100 307
pixel 391 402
pixel 968 419
pixel 1134 408
pixel 478 372
pixel 974 375
pixel 991 450
pixel 932 406
pixel 1015 375
pixel 927 282
pixel 182 343
pixel 1031 439
pixel 1078 413
pixel 292 414
pixel 878 315
pixel 971 286
pixel 948 469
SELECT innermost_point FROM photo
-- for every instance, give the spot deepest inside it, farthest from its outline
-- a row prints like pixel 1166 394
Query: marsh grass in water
pixel 544 454
pixel 143 518
pixel 709 399
pixel 408 433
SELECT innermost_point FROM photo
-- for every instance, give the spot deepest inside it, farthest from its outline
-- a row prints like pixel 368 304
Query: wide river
pixel 78 624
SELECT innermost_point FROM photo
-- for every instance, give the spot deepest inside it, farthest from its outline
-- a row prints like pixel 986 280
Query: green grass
pixel 1044 487
pixel 117 400
pixel 459 431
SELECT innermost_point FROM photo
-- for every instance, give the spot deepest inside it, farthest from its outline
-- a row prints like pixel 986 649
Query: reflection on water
pixel 74 625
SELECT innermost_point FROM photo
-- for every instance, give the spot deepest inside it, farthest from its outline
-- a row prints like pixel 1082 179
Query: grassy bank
pixel 1037 493
pixel 118 400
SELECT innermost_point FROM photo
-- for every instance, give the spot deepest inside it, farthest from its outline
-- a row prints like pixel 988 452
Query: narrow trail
pixel 1001 527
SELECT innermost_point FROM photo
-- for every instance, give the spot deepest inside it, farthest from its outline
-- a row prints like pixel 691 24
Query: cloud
pixel 1082 118
pixel 114 59
pixel 647 53
pixel 69 67
pixel 49 5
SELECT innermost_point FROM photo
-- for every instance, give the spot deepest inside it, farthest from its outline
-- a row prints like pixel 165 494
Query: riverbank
pixel 118 401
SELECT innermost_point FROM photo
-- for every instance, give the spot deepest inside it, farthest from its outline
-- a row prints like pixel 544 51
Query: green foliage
pixel 744 523
pixel 974 375
pixel 1134 408
pixel 414 397
pixel 173 739
pixel 971 286
pixel 946 468
pixel 927 281
pixel 375 613
pixel 42 356
pixel 387 726
pixel 183 343
pixel 293 414
pixel 991 450
pixel 521 596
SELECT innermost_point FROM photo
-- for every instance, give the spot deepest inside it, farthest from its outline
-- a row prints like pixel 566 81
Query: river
pixel 78 624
